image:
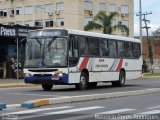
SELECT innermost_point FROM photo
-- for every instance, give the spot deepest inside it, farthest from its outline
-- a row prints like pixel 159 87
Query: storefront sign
pixel 14 31
pixel 4 31
pixel 23 32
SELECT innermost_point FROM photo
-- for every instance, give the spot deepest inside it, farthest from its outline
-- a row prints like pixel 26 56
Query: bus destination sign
pixel 46 33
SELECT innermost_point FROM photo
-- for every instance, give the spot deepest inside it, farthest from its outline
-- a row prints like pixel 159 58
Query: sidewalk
pixel 5 83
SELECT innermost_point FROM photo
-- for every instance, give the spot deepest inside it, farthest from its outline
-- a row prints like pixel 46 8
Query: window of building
pixel 38 23
pixel 126 23
pixel 88 5
pixel 60 6
pixel 28 10
pixel 48 8
pixel 102 7
pixel 60 22
pixel 38 8
pixel 3 13
pixel 87 19
pixel 104 50
pixel 19 11
pixel 124 9
pixel 29 23
pixel 49 23
pixel 11 12
pixel 128 50
pixel 112 48
pixel 112 8
pixel 121 49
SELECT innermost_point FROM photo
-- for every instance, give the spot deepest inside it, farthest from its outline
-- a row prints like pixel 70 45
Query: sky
pixel 147 6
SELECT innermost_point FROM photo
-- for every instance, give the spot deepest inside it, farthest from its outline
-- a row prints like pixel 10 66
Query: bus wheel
pixel 82 85
pixel 121 81
pixel 47 87
pixel 92 85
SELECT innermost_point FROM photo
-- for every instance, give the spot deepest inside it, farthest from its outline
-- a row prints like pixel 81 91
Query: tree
pixel 156 33
pixel 104 22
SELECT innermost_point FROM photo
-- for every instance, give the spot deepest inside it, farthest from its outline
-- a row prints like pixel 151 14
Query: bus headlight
pixel 59 74
pixel 27 75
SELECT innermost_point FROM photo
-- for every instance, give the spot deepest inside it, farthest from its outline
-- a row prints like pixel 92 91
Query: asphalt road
pixel 143 107
pixel 18 95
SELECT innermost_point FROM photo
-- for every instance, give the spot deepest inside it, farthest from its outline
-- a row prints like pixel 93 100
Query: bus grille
pixel 42 75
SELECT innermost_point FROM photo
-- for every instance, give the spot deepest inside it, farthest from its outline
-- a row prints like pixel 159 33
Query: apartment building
pixel 73 14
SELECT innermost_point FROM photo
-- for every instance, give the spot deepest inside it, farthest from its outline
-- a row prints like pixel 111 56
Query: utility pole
pixel 150 53
pixel 140 23
pixel 140 27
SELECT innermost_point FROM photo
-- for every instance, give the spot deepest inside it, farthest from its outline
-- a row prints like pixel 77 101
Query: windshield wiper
pixel 51 41
pixel 39 42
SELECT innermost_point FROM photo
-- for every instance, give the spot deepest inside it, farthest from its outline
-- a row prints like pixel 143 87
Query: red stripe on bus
pixel 84 63
pixel 119 65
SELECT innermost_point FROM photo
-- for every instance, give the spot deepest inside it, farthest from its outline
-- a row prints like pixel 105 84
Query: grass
pixel 151 74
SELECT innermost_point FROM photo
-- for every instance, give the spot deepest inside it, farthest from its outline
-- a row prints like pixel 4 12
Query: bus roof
pixel 94 34
pixel 101 35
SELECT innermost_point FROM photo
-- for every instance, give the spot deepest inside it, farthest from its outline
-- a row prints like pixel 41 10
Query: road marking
pixel 150 112
pixel 154 107
pixel 74 110
pixel 117 111
pixel 39 110
pixel 79 117
pixel 36 95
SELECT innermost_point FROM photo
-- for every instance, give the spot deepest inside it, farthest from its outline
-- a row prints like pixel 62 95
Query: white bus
pixel 80 58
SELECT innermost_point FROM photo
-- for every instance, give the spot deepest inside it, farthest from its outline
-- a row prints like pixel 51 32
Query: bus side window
pixel 112 48
pixel 83 45
pixel 104 50
pixel 73 50
pixel 121 49
pixel 93 46
pixel 136 50
pixel 128 50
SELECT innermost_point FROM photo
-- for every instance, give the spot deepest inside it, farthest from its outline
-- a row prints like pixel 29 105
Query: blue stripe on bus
pixel 64 78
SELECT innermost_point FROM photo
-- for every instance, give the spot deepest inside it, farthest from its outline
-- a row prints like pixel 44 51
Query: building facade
pixel 72 14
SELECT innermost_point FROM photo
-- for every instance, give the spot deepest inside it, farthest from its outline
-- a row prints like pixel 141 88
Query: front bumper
pixel 47 79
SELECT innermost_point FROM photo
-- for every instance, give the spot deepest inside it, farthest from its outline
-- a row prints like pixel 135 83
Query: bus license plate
pixel 55 78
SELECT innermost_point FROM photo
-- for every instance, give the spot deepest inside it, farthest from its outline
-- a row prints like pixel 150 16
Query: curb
pixel 35 103
pixel 2 106
pixel 149 77
pixel 51 101
pixel 15 85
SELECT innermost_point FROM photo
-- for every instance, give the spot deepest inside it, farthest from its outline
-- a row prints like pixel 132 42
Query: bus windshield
pixel 46 52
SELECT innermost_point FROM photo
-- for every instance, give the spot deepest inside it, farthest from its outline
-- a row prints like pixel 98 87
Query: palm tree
pixel 122 27
pixel 104 22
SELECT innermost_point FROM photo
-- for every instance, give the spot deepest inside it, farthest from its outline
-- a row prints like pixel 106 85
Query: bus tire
pixel 83 84
pixel 47 87
pixel 121 81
